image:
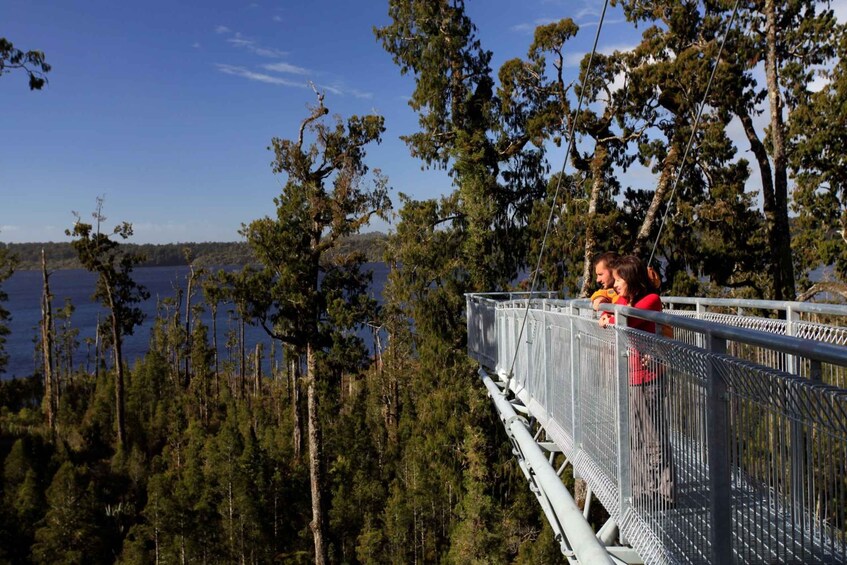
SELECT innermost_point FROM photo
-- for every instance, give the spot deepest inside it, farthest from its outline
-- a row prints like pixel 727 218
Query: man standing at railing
pixel 603 265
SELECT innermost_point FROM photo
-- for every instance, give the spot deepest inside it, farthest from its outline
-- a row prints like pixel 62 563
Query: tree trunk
pixel 98 354
pixel 187 376
pixel 242 368
pixel 297 432
pixel 257 376
pixel 646 229
pixel 120 426
pixel 831 287
pixel 215 346
pixel 598 166
pixel 778 228
pixel 315 457
pixel 49 401
pixel 176 347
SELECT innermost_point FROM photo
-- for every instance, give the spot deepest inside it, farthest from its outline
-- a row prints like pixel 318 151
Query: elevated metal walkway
pixel 733 450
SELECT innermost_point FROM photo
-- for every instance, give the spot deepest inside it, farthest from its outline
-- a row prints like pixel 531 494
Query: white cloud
pixel 285 68
pixel 574 59
pixel 242 42
pixel 258 77
pixel 340 90
pixel 587 10
pixel 530 27
pixel 222 29
pixel 595 23
pixel 196 45
pixel 277 18
pixel 361 94
pixel 8 228
pixel 270 53
pixel 331 89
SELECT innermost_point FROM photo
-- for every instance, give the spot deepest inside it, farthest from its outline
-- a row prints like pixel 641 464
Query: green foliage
pixel 33 63
pixel 16 394
pixel 820 195
pixel 8 262
pixel 73 526
pixel 460 129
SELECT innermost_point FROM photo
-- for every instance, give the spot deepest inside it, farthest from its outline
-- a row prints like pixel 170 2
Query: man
pixel 603 265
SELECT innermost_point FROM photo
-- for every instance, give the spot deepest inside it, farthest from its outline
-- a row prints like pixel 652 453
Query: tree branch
pixel 317 113
pixel 831 287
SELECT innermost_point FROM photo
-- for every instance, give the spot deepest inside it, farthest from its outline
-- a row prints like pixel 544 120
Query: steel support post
pixel 576 363
pixel 548 366
pixel 624 445
pixel 717 447
pixel 797 439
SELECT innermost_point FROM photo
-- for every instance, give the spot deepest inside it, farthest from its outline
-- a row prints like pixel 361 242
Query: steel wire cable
pixel 571 135
pixel 693 132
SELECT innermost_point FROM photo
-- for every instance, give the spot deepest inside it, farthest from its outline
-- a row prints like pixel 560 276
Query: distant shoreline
pixel 61 256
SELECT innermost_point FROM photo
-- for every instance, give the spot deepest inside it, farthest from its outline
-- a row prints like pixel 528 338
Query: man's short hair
pixel 609 258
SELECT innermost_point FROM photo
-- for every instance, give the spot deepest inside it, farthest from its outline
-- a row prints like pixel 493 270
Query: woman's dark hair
pixel 634 272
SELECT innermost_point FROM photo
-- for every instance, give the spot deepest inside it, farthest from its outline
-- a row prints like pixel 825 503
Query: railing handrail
pixel 802 347
pixel 805 307
pixel 810 349
pixel 520 294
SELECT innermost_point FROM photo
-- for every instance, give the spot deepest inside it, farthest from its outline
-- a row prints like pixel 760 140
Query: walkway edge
pixel 580 537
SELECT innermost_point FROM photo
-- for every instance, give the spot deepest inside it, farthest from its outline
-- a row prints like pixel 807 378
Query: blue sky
pixel 167 108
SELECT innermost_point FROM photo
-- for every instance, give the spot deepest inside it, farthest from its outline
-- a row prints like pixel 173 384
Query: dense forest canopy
pixel 196 453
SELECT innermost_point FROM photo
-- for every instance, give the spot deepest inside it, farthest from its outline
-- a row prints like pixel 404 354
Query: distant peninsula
pixel 60 255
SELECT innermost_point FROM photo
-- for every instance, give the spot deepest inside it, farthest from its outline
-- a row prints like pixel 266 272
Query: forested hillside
pixel 206 254
pixel 343 455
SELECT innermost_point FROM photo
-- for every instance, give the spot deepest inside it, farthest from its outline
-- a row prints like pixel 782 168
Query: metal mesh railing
pixel 826 323
pixel 705 447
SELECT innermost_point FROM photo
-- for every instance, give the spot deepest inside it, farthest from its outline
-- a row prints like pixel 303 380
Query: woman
pixel 652 459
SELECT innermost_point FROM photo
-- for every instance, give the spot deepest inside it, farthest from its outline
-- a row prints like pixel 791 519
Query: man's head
pixel 603 266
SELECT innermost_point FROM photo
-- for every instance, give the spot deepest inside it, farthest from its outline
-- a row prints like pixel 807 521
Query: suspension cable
pixel 693 133
pixel 571 136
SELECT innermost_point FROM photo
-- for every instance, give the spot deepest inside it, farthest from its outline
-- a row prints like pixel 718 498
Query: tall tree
pixel 71 529
pixel 7 267
pixel 33 63
pixel 302 297
pixel 49 403
pixel 460 130
pixel 540 107
pixel 788 41
pixel 213 295
pixel 116 290
pixel 667 76
pixel 817 137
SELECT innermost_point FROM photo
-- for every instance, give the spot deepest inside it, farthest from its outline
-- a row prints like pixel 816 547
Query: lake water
pixel 24 290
